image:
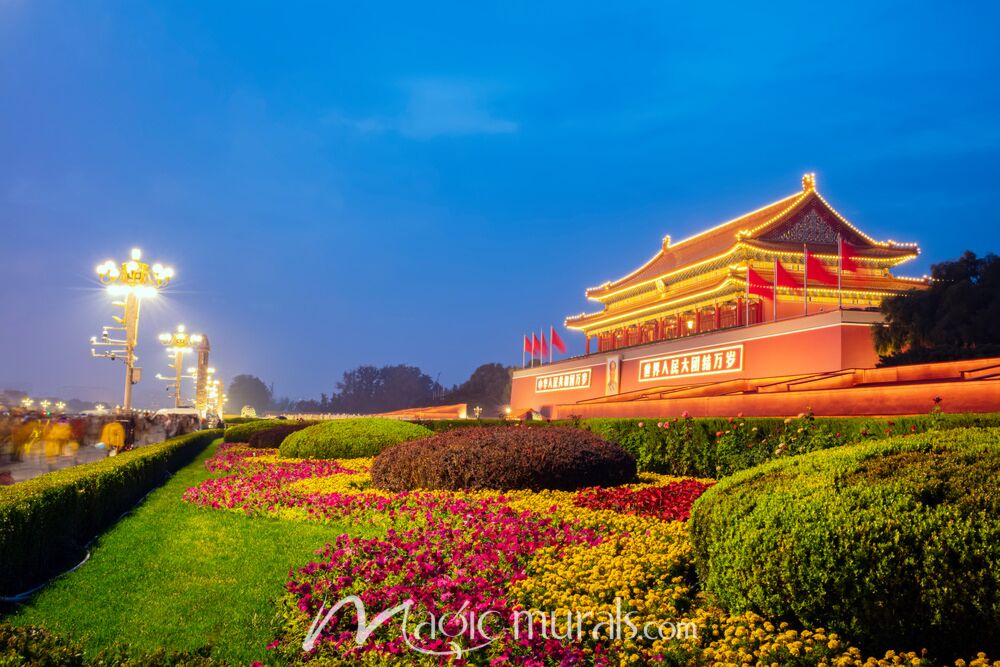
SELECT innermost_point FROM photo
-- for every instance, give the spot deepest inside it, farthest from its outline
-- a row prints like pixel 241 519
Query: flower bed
pixel 460 555
pixel 669 503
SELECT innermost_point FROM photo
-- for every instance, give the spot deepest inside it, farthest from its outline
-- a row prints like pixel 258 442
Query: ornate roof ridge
pixel 785 203
pixel 756 222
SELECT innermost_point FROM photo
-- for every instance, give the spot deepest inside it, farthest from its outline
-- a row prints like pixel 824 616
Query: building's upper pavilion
pixel 705 275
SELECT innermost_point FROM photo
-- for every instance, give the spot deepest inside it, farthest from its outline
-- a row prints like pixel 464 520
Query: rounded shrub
pixel 242 432
pixel 894 544
pixel 271 438
pixel 349 438
pixel 504 458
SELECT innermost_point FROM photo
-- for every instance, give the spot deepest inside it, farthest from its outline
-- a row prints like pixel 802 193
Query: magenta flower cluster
pixel 256 486
pixel 452 569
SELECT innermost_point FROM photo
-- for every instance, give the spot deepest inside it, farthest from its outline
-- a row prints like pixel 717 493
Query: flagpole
pixel 522 350
pixel 840 272
pixel 775 285
pixel 747 316
pixel 805 278
pixel 551 344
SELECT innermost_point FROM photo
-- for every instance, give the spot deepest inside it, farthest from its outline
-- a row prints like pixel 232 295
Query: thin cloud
pixel 434 108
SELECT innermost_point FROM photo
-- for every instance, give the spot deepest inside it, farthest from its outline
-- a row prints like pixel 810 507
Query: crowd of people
pixel 59 438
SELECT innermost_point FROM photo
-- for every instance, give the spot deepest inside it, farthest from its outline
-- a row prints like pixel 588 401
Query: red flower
pixel 669 503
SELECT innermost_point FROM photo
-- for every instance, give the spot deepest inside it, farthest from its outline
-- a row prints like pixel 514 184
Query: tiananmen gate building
pixel 766 314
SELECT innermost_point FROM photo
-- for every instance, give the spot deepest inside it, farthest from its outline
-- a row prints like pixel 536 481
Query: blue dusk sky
pixel 348 183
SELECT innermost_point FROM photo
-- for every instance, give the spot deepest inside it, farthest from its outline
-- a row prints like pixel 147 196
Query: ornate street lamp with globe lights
pixel 178 344
pixel 133 281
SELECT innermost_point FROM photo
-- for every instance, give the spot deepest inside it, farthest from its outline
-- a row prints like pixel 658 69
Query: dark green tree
pixel 249 390
pixel 368 389
pixel 957 317
pixel 487 387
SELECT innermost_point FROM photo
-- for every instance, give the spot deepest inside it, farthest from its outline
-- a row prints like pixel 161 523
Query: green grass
pixel 178 576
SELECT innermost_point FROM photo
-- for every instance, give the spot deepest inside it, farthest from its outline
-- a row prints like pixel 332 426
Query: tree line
pixel 956 317
pixel 369 389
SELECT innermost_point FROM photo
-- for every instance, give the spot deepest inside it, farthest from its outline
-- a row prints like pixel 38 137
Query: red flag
pixel 818 271
pixel 527 345
pixel 535 347
pixel 556 340
pixel 784 277
pixel 848 256
pixel 545 347
pixel 757 285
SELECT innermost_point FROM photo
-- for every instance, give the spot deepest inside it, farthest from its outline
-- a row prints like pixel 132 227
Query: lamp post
pixel 45 406
pixel 131 283
pixel 26 402
pixel 201 373
pixel 61 406
pixel 210 390
pixel 178 344
pixel 216 397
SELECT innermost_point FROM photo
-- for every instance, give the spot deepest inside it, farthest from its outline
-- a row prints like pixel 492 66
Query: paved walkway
pixel 34 464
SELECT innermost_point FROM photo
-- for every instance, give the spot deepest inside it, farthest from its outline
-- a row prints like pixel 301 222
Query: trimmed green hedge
pixel 242 432
pixel 271 438
pixel 442 425
pixel 349 438
pixel 45 521
pixel 894 543
pixel 233 421
pixel 717 446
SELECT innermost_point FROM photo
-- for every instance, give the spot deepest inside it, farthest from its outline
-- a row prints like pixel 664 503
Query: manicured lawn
pixel 179 576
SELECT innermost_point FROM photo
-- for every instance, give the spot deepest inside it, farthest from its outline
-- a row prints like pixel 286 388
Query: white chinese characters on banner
pixel 579 379
pixel 709 361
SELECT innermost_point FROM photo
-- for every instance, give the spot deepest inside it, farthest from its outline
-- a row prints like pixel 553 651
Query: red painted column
pixel 718 317
pixel 739 311
pixel 588 344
